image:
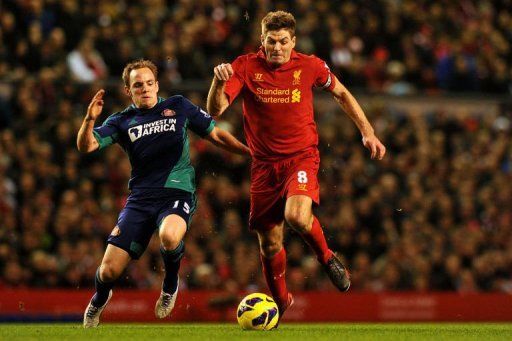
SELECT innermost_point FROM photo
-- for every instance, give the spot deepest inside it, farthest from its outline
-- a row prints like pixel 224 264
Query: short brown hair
pixel 275 21
pixel 138 64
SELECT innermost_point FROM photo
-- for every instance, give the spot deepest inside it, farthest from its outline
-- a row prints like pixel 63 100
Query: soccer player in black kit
pixel 153 132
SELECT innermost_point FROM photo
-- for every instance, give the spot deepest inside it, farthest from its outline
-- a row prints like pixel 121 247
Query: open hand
pixel 96 105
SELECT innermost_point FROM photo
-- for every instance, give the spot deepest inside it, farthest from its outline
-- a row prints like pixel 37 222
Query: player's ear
pixel 262 39
pixel 293 41
pixel 127 91
pixel 157 86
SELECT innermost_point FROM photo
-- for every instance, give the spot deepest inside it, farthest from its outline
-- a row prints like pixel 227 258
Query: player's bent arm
pixel 217 101
pixel 225 140
pixel 349 104
pixel 86 142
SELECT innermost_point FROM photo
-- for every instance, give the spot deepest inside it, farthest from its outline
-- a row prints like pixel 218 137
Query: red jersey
pixel 278 102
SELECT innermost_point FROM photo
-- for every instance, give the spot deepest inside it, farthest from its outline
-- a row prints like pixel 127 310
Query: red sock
pixel 316 240
pixel 274 270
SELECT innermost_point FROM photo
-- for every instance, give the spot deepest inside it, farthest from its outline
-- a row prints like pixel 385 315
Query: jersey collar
pixel 160 100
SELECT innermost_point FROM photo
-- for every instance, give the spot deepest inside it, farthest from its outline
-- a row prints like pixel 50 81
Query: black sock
pixel 102 290
pixel 172 260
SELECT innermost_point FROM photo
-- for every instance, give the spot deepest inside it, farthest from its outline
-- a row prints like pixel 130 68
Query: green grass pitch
pixel 287 331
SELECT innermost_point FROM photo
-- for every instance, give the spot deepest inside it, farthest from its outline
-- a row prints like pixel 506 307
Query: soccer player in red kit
pixel 276 84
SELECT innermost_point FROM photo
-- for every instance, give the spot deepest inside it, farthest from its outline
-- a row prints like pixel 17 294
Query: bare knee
pixel 298 220
pixel 298 213
pixel 169 241
pixel 172 232
pixel 108 272
pixel 270 248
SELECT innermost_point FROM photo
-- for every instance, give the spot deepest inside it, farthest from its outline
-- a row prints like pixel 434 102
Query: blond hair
pixel 138 64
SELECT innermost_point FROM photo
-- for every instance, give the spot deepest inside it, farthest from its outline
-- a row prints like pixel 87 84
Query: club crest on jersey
pixel 296 77
pixel 168 113
pixel 258 77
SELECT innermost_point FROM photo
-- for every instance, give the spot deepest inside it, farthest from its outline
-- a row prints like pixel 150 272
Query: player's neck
pixel 149 107
pixel 274 66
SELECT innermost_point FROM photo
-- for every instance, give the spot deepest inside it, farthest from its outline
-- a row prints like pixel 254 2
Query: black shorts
pixel 144 212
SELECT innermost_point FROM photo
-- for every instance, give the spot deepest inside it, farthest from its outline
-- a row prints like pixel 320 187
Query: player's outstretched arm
pixel 349 104
pixel 225 140
pixel 85 141
pixel 217 100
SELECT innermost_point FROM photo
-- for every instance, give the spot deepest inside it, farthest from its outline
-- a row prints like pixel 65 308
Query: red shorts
pixel 273 182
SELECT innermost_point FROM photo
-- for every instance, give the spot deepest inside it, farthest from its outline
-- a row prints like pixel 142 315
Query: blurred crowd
pixel 399 47
pixel 433 215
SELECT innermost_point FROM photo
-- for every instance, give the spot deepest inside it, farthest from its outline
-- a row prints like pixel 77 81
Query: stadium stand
pixel 433 216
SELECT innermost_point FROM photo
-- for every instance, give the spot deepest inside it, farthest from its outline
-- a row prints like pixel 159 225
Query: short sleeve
pixel 199 121
pixel 108 132
pixel 235 84
pixel 324 78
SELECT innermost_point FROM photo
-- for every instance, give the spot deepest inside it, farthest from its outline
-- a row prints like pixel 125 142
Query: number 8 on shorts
pixel 302 177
